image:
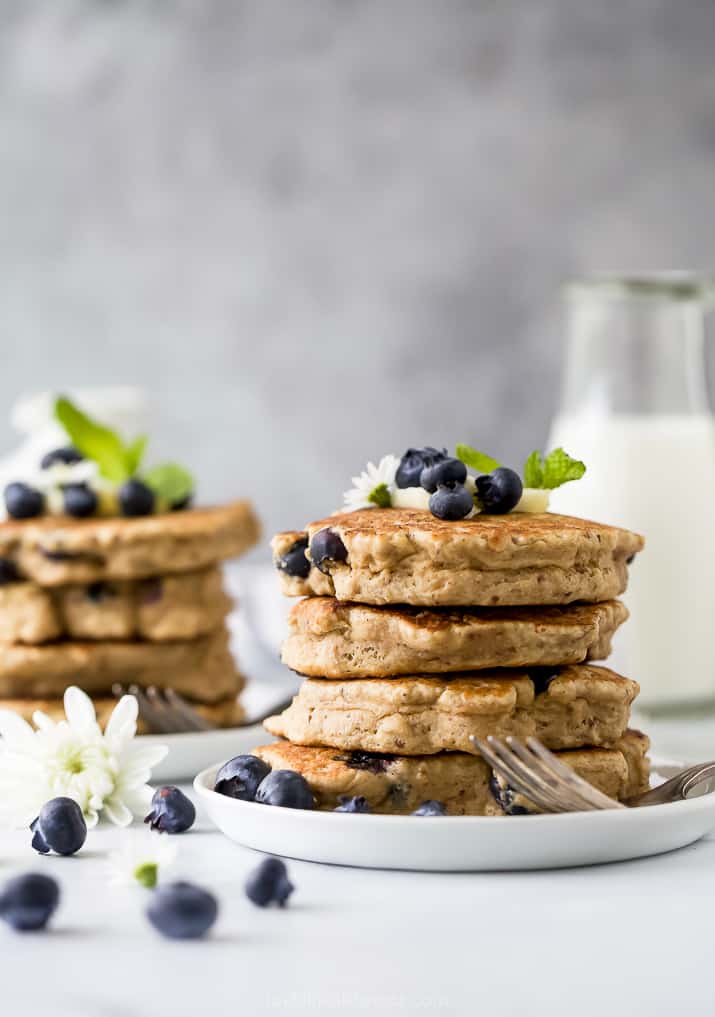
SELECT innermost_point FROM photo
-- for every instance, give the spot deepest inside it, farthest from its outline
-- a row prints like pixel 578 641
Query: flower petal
pixel 80 712
pixel 117 812
pixel 123 720
pixel 16 732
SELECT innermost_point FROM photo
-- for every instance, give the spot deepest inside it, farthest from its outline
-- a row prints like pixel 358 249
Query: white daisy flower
pixel 142 858
pixel 374 487
pixel 104 773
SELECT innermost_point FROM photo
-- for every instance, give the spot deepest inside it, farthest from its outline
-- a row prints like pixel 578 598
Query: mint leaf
pixel 534 470
pixel 94 441
pixel 555 469
pixel 170 481
pixel 134 453
pixel 476 460
pixel 380 496
pixel 560 468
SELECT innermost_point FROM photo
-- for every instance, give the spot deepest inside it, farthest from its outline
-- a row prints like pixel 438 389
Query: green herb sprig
pixel 117 460
pixel 541 472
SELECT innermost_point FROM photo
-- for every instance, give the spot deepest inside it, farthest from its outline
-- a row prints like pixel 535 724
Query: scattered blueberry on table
pixel 182 910
pixel 28 902
pixel 356 803
pixel 269 884
pixel 171 811
pixel 23 501
pixel 286 788
pixel 430 808
pixel 240 777
pixel 60 827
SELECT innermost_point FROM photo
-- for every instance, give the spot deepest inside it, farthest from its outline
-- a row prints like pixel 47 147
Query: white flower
pixel 103 772
pixel 141 858
pixel 375 485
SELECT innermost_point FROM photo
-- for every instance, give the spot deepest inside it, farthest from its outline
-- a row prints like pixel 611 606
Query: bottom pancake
pixel 226 713
pixel 464 783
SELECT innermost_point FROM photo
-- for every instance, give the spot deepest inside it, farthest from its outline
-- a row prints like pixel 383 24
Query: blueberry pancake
pixel 226 712
pixel 58 550
pixel 408 556
pixel 202 669
pixel 399 784
pixel 182 605
pixel 331 639
pixel 417 715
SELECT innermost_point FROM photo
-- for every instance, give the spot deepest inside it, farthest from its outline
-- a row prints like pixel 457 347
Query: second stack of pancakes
pixel 110 603
pixel 415 633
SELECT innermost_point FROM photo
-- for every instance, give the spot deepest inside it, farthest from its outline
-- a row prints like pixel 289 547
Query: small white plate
pixel 191 751
pixel 458 843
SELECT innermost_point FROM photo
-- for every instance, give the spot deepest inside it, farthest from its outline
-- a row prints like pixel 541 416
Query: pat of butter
pixel 533 499
pixel 410 497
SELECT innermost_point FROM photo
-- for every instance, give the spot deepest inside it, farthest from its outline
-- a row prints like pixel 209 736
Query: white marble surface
pixel 605 941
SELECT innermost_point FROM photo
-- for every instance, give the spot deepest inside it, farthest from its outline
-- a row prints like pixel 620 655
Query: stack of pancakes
pixel 100 602
pixel 421 632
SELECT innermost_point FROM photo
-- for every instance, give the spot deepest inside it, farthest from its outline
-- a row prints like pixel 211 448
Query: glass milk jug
pixel 634 407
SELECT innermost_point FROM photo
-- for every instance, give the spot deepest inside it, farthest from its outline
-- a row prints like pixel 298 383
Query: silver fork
pixel 530 769
pixel 166 712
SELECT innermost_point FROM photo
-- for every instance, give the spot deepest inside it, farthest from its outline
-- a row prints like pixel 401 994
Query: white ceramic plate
pixel 464 843
pixel 190 752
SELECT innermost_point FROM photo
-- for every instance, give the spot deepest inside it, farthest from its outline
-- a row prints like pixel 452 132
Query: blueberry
pixel 294 562
pixel 504 796
pixel 499 491
pixel 79 500
pixel 67 455
pixel 431 808
pixel 60 827
pixel 414 461
pixel 358 803
pixel 286 788
pixel 28 902
pixel 269 884
pixel 182 503
pixel 23 501
pixel 182 910
pixel 136 499
pixel 8 572
pixel 542 677
pixel 326 546
pixel 445 471
pixel 451 501
pixel 172 811
pixel 240 777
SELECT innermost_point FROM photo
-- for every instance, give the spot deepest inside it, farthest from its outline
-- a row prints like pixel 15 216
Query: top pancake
pixel 407 556
pixel 54 550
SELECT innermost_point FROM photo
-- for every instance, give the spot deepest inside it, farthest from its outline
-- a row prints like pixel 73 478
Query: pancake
pixel 420 715
pixel 181 606
pixel 399 784
pixel 331 639
pixel 407 556
pixel 57 550
pixel 201 669
pixel 225 713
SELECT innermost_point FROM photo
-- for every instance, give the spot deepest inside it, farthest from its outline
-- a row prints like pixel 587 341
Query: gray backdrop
pixel 319 231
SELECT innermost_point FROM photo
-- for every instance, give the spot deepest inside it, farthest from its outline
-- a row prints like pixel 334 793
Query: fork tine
pixel 578 785
pixel 170 718
pixel 577 797
pixel 192 719
pixel 505 770
pixel 534 781
pixel 152 717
